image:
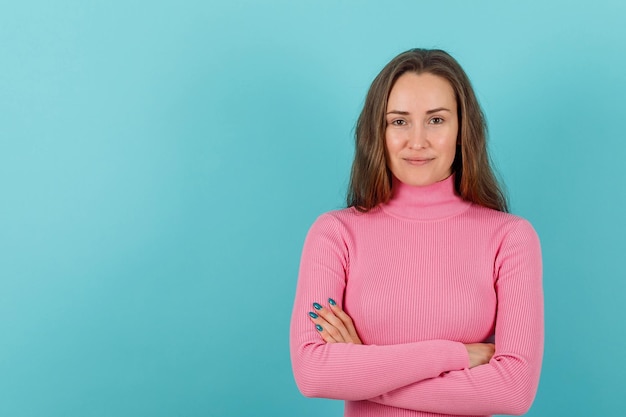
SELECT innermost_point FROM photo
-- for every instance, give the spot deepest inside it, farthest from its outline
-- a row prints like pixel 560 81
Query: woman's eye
pixel 436 120
pixel 398 122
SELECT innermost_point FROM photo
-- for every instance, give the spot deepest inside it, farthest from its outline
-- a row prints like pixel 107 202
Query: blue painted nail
pixel 332 302
pixel 313 315
pixel 317 306
pixel 319 328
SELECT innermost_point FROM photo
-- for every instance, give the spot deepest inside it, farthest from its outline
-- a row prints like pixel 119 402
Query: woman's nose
pixel 418 139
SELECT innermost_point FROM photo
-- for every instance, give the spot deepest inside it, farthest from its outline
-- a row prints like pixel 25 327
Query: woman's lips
pixel 418 161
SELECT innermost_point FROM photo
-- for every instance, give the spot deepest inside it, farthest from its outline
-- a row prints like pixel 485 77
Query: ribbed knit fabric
pixel 420 276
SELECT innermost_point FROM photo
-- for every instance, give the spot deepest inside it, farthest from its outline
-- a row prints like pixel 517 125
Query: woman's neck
pixel 429 202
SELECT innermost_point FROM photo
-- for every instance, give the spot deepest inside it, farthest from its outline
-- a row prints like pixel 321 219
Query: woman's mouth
pixel 418 161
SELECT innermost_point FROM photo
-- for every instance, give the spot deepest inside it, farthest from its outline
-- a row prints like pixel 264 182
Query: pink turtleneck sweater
pixel 420 276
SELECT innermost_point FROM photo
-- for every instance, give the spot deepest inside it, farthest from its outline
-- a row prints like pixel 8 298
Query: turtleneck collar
pixel 430 202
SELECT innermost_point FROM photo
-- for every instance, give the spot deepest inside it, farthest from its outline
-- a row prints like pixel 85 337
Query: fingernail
pixel 332 302
pixel 313 315
pixel 317 306
pixel 319 328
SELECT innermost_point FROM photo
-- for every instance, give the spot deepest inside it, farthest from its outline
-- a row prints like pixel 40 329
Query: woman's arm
pixel 335 326
pixel 508 383
pixel 345 370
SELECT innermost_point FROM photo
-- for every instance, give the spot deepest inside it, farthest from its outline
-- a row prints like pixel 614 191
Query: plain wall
pixel 161 162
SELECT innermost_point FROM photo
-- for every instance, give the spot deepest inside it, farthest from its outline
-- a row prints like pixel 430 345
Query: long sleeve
pixel 506 385
pixel 348 371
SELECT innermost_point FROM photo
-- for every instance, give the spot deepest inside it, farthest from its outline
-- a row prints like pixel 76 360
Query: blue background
pixel 161 162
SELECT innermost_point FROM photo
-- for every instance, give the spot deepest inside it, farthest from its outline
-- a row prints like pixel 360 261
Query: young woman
pixel 424 295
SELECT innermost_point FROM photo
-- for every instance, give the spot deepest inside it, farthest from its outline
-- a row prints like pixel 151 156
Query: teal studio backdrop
pixel 161 162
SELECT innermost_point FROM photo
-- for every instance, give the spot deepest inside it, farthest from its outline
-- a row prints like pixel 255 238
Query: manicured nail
pixel 332 302
pixel 319 328
pixel 313 315
pixel 317 306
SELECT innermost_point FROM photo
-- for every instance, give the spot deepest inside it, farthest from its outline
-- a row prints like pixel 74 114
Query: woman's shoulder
pixel 501 221
pixel 343 220
pixel 348 215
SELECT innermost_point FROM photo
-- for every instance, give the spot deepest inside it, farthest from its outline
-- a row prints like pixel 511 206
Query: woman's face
pixel 422 129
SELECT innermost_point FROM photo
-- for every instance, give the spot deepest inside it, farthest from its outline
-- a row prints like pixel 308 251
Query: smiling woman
pixel 434 295
pixel 422 129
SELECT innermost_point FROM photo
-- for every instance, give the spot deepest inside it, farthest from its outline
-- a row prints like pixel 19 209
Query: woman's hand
pixel 480 353
pixel 333 324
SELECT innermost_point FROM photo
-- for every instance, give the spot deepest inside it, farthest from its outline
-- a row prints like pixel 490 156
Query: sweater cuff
pixel 443 356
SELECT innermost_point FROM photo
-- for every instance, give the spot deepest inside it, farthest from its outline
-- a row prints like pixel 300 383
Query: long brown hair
pixel 371 179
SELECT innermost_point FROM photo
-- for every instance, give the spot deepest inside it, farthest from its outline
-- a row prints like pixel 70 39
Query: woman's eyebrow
pixel 438 109
pixel 404 113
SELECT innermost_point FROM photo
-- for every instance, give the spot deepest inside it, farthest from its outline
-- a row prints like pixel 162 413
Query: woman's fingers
pixel 346 320
pixel 480 353
pixel 334 324
pixel 327 331
pixel 338 329
pixel 331 327
pixel 323 330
